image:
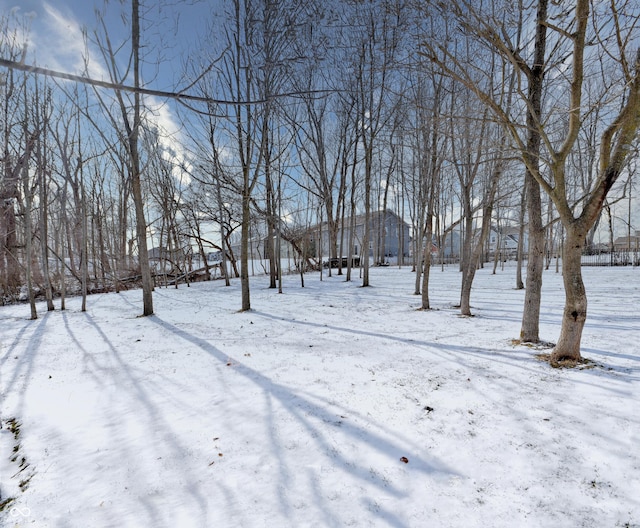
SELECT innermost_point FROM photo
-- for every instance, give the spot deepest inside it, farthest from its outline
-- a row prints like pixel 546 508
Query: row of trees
pixel 457 115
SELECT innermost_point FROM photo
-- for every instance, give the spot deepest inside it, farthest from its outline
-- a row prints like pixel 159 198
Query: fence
pixel 613 258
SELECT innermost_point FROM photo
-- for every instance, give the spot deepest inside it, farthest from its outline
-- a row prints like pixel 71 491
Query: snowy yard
pixel 327 406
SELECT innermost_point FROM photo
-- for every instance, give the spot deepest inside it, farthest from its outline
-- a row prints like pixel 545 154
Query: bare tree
pixel 15 155
pixel 494 161
pixel 530 330
pixel 320 150
pixel 29 187
pixel 131 115
pixel 247 122
pixel 584 44
pixel 377 44
pixel 427 144
pixel 42 111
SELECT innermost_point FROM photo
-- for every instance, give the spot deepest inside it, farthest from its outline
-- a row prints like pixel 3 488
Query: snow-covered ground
pixel 332 405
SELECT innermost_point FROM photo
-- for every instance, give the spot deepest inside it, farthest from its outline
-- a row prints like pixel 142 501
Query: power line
pixel 179 96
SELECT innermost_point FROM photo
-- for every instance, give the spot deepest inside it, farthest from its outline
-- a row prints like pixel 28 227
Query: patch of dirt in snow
pixel 16 471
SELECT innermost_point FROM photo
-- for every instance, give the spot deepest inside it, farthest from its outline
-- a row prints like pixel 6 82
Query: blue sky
pixel 169 33
pixel 56 34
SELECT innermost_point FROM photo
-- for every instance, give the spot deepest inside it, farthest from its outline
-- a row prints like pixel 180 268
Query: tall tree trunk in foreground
pixel 574 315
pixel 615 147
pixel 244 247
pixel 28 191
pixel 141 223
pixel 520 249
pixel 530 329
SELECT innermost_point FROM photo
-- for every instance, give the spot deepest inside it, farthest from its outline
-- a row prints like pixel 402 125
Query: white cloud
pixel 57 41
pixel 170 137
pixel 61 45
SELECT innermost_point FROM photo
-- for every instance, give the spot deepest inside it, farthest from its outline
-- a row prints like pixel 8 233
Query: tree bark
pixel 41 160
pixel 574 316
pixel 9 260
pixel 84 257
pixel 426 259
pixel 469 272
pixel 141 223
pixel 244 251
pixel 28 222
pixel 28 235
pixel 530 330
pixel 520 250
pixel 367 216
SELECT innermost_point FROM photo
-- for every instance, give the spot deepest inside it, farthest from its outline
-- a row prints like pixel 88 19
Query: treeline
pixel 456 116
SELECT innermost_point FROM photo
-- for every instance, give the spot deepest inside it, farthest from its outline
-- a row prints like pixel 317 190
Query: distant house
pixel 389 236
pixel 627 242
pixel 450 246
pixel 214 257
pixel 506 240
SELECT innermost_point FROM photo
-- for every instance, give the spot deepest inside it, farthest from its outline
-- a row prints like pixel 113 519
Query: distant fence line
pixel 613 258
pixel 609 258
pixel 623 257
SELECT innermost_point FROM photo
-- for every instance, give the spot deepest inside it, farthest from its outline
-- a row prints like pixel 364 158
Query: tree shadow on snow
pixel 146 412
pixel 304 410
pixel 25 360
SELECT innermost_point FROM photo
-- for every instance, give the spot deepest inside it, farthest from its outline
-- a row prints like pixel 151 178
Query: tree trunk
pixel 426 267
pixel 469 272
pixel 367 221
pixel 63 273
pixel 141 223
pixel 28 233
pixel 104 259
pixel 84 257
pixel 400 206
pixel 44 232
pixel 520 250
pixel 318 252
pixel 343 208
pixel 352 238
pixel 530 330
pixel 223 269
pixel 244 251
pixel 418 262
pixel 382 222
pixel 28 238
pixel 467 263
pixel 575 309
pixel 271 219
pixel 352 215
